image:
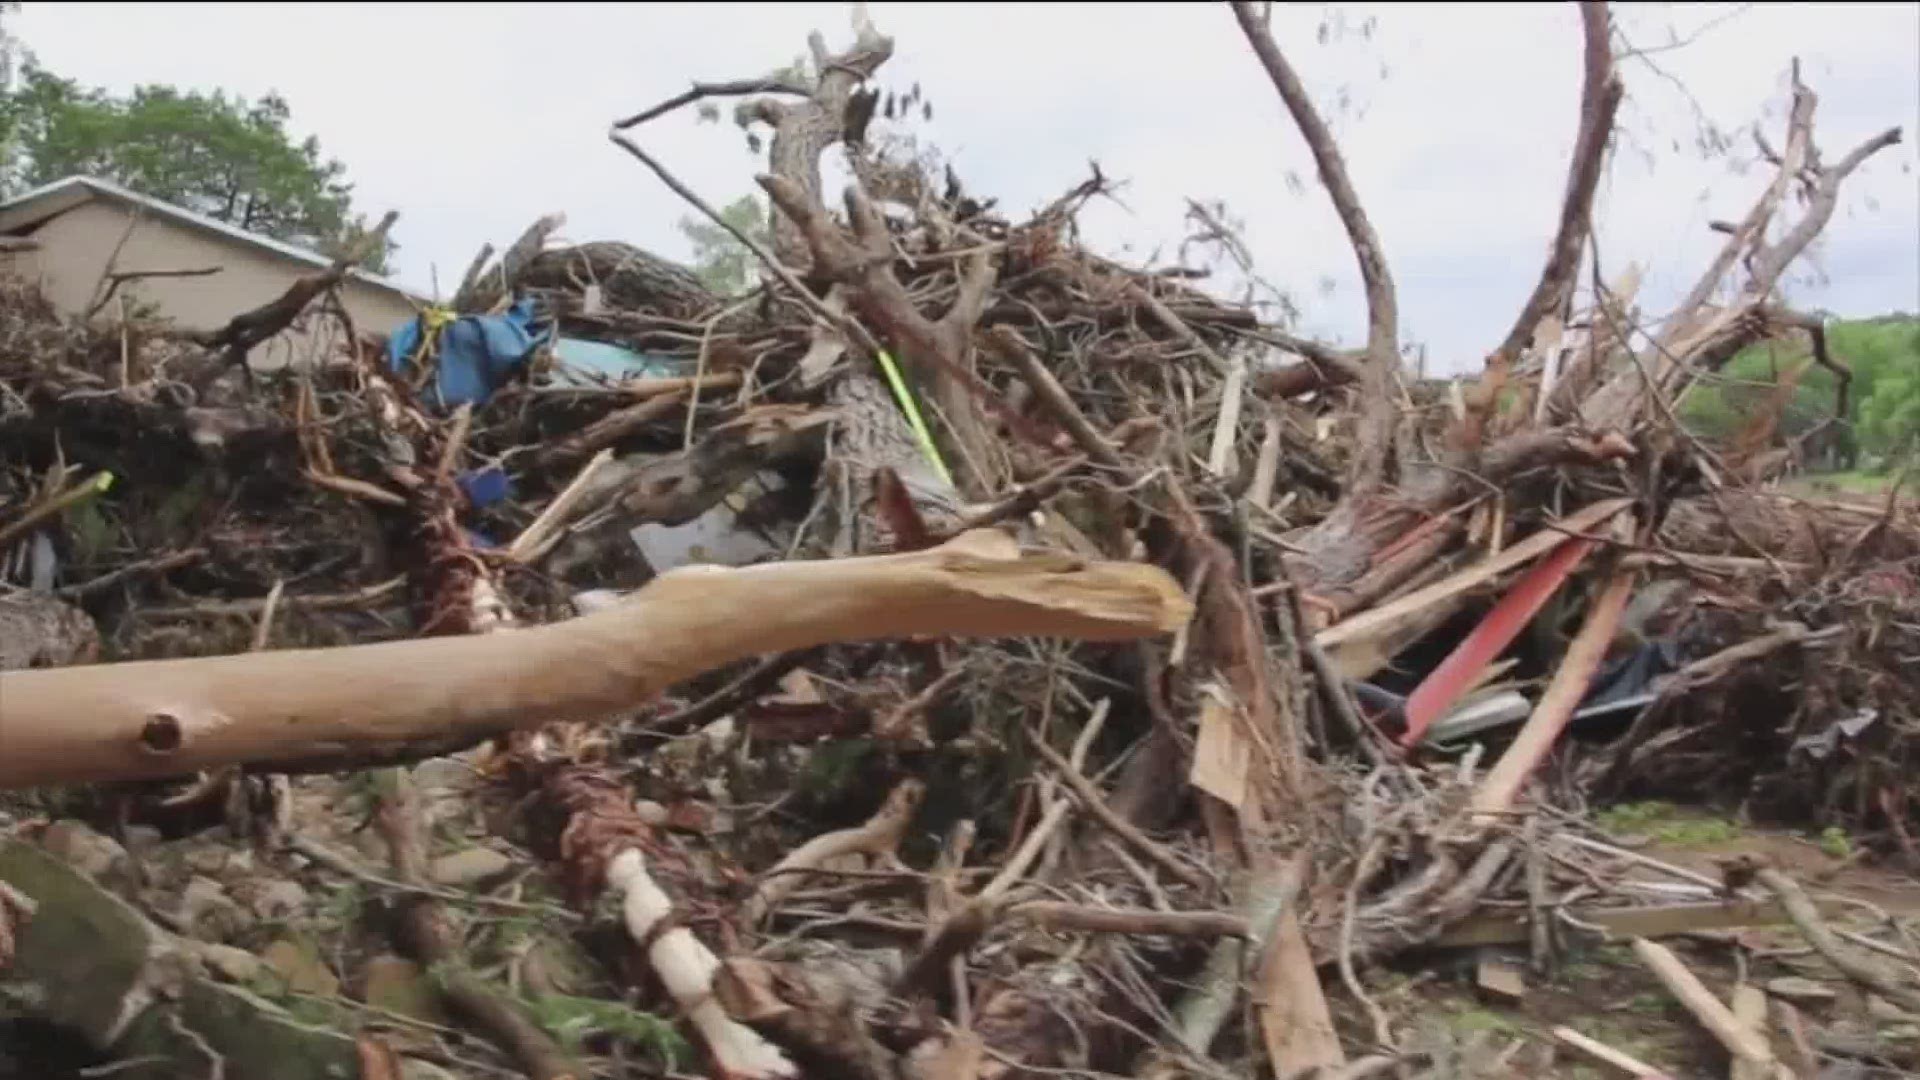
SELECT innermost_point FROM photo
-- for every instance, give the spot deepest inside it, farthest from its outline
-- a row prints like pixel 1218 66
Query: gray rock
pixel 83 849
pixel 208 912
pixel 85 951
pixel 143 838
pixel 276 901
pixel 233 965
pixel 470 868
pixel 444 774
pixel 415 1069
pixel 37 630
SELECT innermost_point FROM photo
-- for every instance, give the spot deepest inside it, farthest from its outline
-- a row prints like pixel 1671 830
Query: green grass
pixel 1667 824
pixel 1857 482
pixel 572 1020
pixel 1835 842
pixel 1472 1020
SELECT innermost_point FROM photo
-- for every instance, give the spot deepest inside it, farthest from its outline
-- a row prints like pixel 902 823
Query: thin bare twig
pixel 699 91
pixel 850 327
pixel 1096 805
pixel 1599 100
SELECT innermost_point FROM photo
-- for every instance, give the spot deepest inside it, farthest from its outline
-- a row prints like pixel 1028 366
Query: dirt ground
pixel 1602 991
pixel 1891 889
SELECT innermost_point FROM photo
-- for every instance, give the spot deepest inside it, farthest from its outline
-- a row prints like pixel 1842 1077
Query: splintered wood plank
pixel 1500 980
pixel 1295 1020
pixel 1652 921
pixel 1220 755
pixel 1748 1047
pixel 1379 620
pixel 1550 716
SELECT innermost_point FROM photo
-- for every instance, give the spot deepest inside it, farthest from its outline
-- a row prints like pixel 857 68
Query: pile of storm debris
pixel 961 656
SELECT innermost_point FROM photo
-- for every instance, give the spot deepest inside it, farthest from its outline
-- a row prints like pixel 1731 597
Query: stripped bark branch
pixel 1379 413
pixel 878 837
pixel 172 717
pixel 1600 96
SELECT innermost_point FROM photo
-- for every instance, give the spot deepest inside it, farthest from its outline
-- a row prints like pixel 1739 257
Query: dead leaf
pixel 745 989
pixel 796 688
pixel 959 1059
pixel 894 504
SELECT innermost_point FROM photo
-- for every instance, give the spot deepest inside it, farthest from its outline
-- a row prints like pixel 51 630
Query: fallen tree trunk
pixel 405 699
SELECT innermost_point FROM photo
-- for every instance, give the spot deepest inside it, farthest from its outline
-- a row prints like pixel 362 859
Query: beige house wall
pixel 75 248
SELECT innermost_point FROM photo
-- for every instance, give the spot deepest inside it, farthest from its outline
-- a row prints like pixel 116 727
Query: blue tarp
pixel 475 354
pixel 578 358
pixel 485 487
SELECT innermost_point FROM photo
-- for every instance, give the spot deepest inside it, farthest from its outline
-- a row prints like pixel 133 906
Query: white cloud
pixel 474 120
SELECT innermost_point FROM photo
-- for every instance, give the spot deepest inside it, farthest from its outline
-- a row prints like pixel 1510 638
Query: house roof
pixel 51 200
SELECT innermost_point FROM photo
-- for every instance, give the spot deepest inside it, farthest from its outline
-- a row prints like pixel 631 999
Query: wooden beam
pixel 1649 921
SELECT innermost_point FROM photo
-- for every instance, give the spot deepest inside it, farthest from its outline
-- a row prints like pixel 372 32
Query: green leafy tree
pixel 218 154
pixel 723 263
pixel 11 51
pixel 1890 419
pixel 1883 395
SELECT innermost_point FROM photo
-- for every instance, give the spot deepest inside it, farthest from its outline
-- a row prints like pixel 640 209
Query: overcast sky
pixel 473 119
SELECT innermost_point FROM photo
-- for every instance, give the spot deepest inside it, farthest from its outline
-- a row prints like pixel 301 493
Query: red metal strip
pixel 1444 685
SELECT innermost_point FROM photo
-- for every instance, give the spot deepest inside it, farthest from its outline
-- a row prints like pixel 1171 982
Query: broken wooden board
pixel 1501 981
pixel 1650 921
pixel 1294 1019
pixel 1382 619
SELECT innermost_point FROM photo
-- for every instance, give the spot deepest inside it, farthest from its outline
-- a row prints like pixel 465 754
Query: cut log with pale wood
pixel 399 700
pixel 1745 1044
pixel 1625 1063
